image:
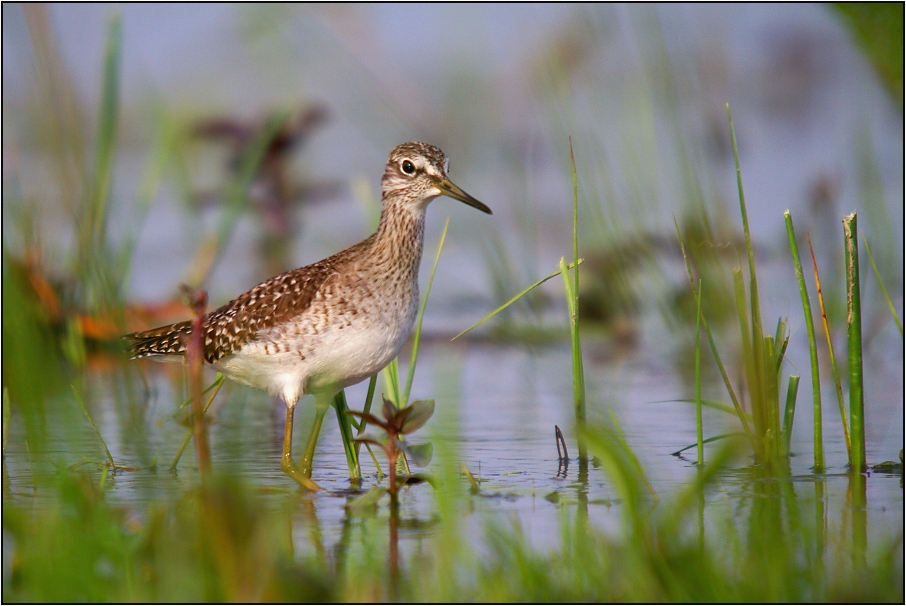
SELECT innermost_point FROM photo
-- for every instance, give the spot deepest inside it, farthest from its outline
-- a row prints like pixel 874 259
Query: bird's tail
pixel 167 341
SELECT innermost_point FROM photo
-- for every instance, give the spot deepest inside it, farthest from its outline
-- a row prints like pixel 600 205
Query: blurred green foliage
pixel 225 542
pixel 877 27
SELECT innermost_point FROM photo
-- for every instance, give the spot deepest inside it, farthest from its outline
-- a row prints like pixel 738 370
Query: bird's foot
pixel 290 469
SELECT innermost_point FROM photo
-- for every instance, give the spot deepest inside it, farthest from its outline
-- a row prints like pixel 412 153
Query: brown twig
pixel 198 301
pixel 558 436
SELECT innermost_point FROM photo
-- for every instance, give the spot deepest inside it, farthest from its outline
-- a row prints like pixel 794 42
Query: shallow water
pixel 496 409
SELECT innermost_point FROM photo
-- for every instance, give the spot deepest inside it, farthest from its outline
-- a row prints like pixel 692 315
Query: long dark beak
pixel 448 188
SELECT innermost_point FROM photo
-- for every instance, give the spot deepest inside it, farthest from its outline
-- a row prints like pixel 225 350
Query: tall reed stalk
pixel 762 354
pixel 818 441
pixel 854 334
pixel 572 295
pixel 92 259
pixel 830 351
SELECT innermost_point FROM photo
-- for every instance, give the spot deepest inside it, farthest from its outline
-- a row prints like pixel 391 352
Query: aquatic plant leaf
pixel 389 410
pixel 417 414
pixel 369 499
pixel 379 441
pixel 420 453
pixel 369 418
pixel 475 485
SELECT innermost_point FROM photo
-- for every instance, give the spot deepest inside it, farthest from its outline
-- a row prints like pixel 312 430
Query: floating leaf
pixel 369 499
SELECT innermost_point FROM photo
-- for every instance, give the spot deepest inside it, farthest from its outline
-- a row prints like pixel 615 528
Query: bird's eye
pixel 408 167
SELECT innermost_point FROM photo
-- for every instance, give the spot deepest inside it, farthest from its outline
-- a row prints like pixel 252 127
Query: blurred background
pixel 499 88
pixel 149 145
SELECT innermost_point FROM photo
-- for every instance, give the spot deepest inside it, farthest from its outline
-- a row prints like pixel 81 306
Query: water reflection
pixel 509 451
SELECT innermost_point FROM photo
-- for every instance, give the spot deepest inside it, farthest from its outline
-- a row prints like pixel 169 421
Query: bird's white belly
pixel 337 355
pixel 351 354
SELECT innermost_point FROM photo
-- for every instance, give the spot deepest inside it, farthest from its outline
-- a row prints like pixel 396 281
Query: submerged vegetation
pixel 743 528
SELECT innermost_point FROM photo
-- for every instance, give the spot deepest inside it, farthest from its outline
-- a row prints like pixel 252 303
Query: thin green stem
pixel 95 427
pixel 578 375
pixel 818 440
pixel 392 382
pixel 698 375
pixel 515 298
pixel 93 262
pixel 830 350
pixel 893 311
pixel 573 296
pixel 854 334
pixel 788 412
pixel 369 398
pixel 349 445
pixel 218 382
pixel 421 315
pixel 743 417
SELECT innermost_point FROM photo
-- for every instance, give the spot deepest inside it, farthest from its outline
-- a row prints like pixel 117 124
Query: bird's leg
pixel 321 406
pixel 286 462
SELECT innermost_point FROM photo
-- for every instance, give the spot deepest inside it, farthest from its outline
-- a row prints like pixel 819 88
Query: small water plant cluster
pixel 396 424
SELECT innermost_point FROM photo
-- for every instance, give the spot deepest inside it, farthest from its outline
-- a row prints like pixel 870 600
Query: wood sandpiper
pixel 323 327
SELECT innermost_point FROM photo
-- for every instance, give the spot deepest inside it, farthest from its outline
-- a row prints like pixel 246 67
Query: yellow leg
pixel 286 462
pixel 308 454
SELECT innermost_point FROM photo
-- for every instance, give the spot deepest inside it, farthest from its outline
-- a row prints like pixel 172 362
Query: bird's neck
pixel 400 236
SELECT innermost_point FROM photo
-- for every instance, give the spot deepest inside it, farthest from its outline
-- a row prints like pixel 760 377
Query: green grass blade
pixel 817 436
pixel 216 385
pixel 578 371
pixel 349 445
pixel 698 375
pixel 772 399
pixel 830 350
pixel 722 436
pixel 363 425
pixel 854 334
pixel 106 128
pixel 708 403
pixel 756 362
pixel 742 315
pixel 518 296
pixel 621 438
pixel 874 267
pixel 392 382
pixel 782 340
pixel 573 296
pixel 421 315
pixel 572 157
pixel 743 417
pixel 788 412
pixel 78 398
pixel 93 264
